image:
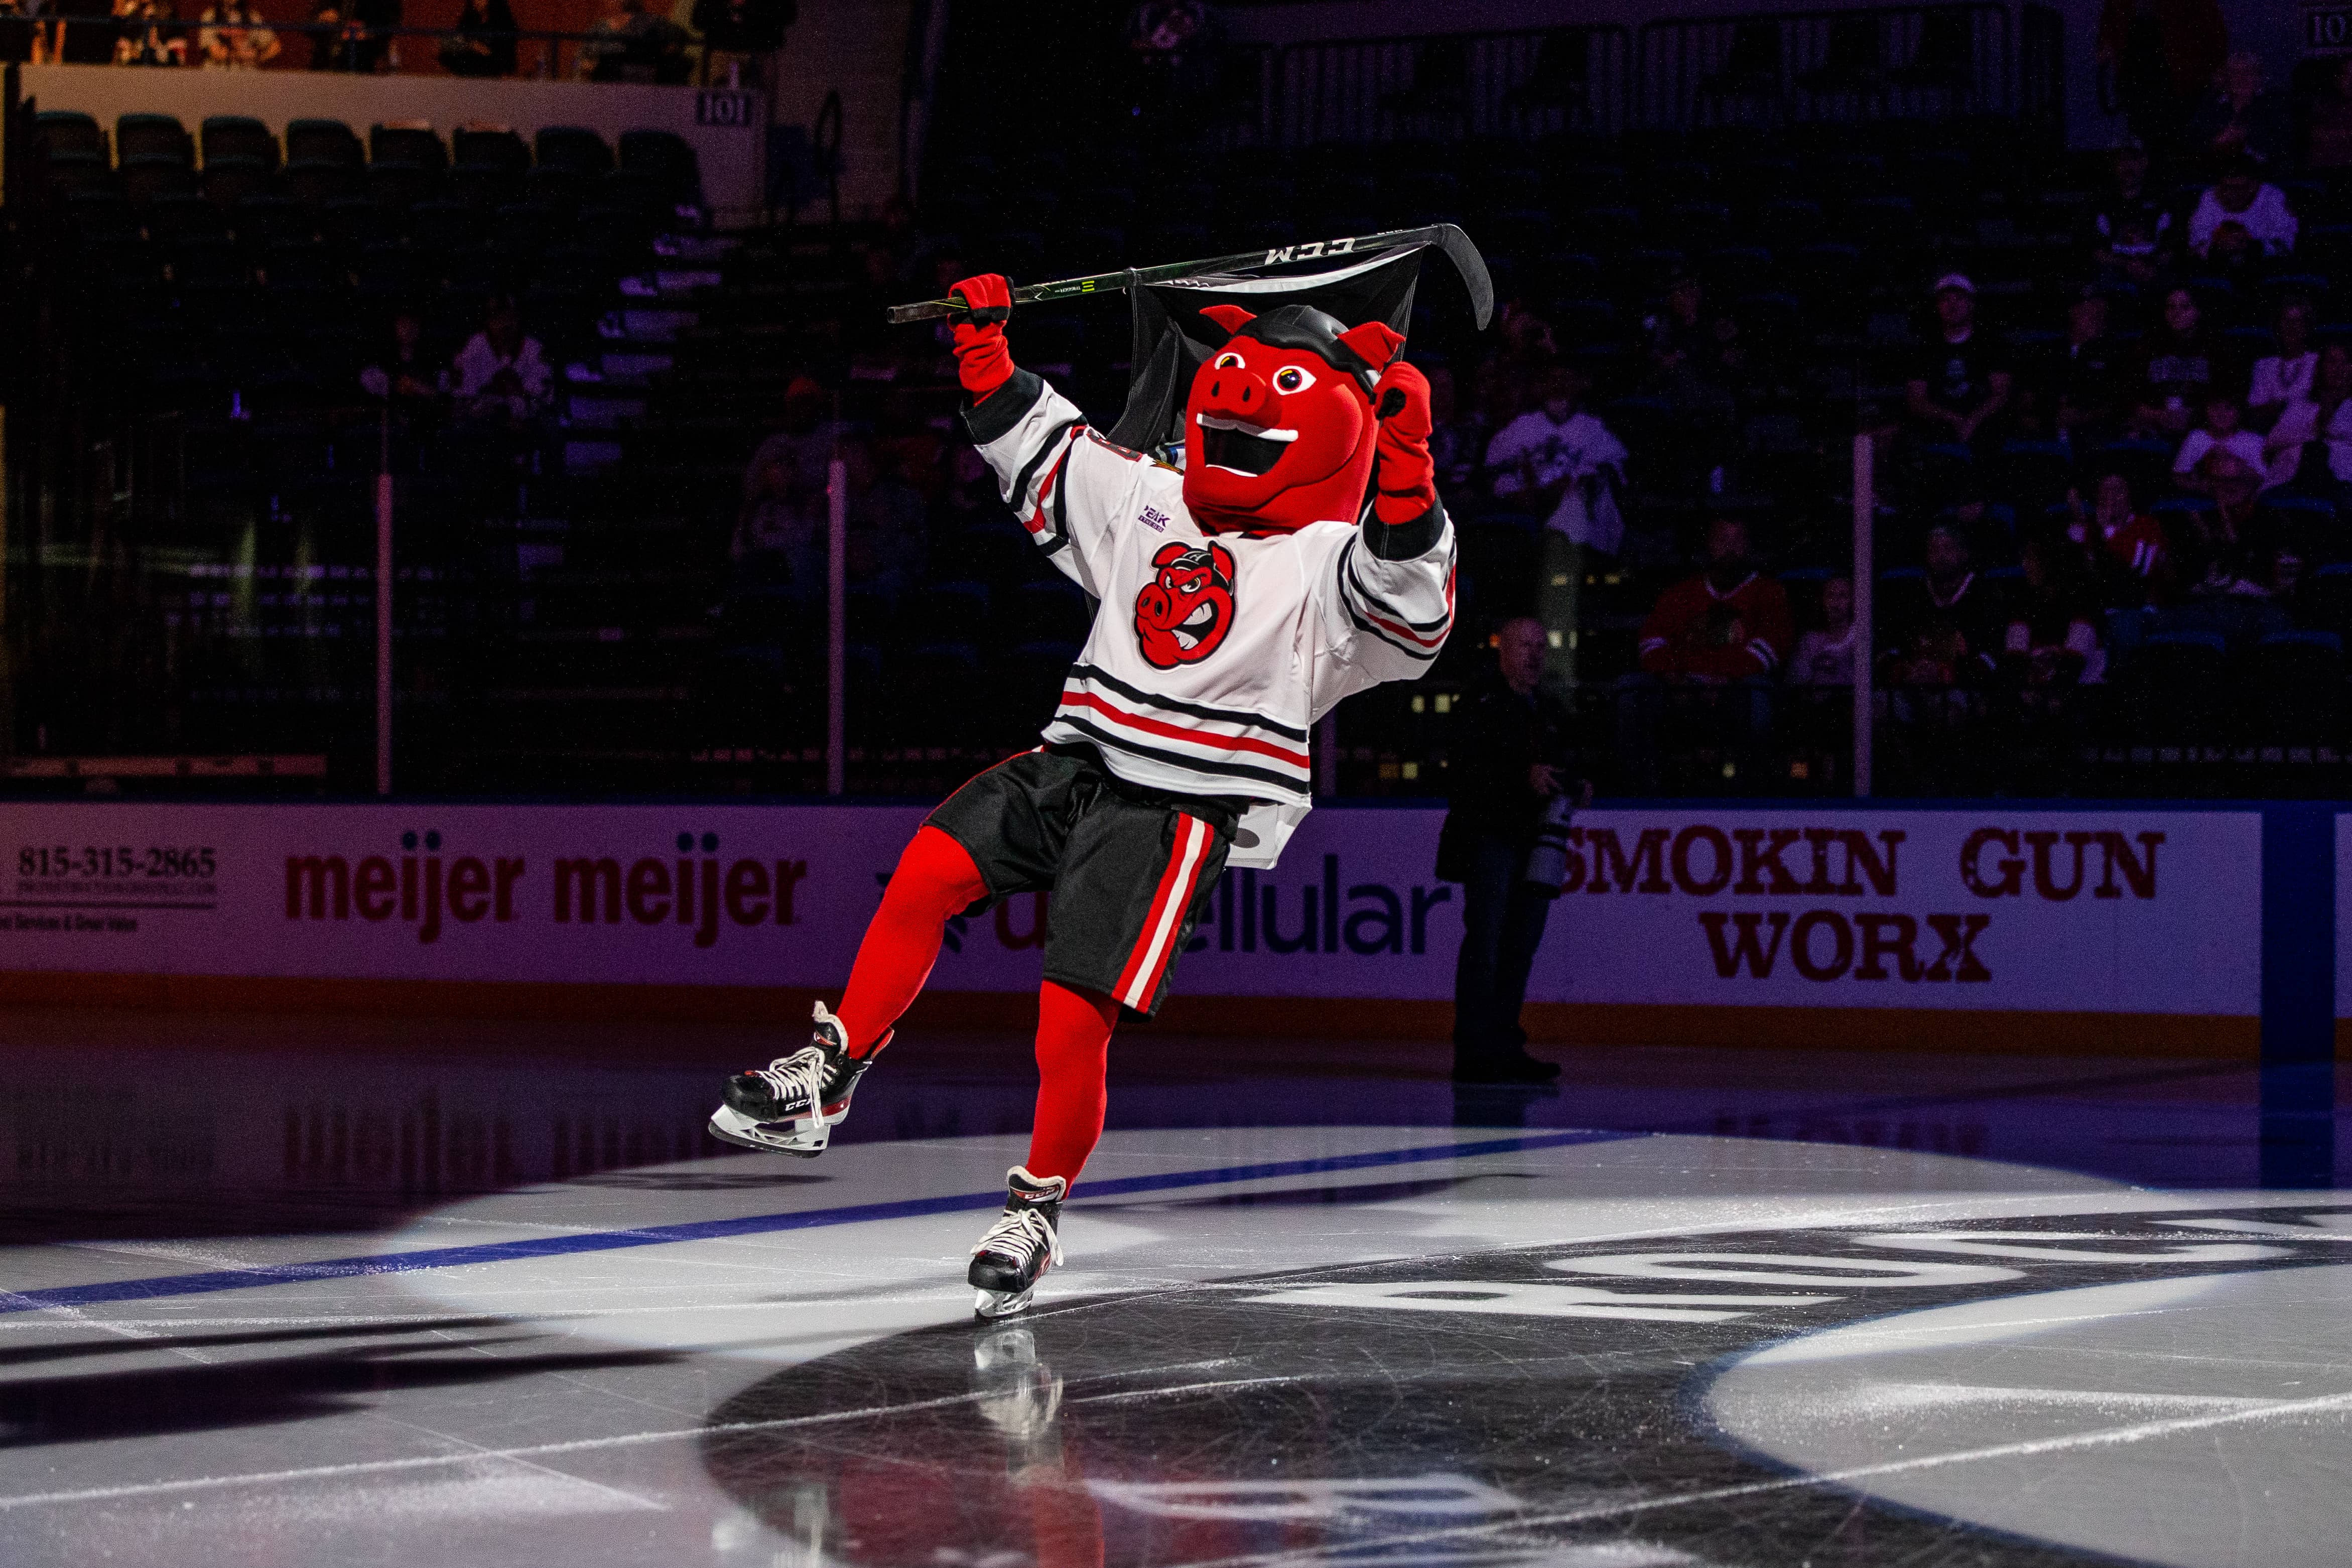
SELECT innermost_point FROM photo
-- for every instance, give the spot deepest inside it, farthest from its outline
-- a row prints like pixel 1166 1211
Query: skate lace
pixel 1019 1235
pixel 800 1075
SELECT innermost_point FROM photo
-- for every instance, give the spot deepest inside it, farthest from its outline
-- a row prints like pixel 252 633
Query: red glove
pixel 983 362
pixel 1405 481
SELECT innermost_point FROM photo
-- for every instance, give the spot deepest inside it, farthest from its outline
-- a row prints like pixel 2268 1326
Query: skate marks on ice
pixel 2009 1391
pixel 1274 1344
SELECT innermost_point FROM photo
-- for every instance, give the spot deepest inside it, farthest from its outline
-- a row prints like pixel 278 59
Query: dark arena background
pixel 1799 1030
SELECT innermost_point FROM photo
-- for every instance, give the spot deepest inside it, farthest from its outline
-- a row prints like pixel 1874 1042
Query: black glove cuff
pixel 985 315
pixel 1404 541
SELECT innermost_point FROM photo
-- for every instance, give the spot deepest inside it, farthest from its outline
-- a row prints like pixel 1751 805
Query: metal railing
pixel 1905 63
pixel 1867 63
pixel 1447 85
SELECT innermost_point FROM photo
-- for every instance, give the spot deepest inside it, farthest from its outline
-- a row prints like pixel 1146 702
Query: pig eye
pixel 1290 378
pixel 1193 586
pixel 1227 361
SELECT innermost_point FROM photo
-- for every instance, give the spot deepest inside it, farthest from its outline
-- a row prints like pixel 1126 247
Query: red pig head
pixel 1278 431
pixel 1185 612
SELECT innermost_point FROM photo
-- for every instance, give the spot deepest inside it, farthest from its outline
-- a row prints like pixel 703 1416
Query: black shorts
pixel 1130 869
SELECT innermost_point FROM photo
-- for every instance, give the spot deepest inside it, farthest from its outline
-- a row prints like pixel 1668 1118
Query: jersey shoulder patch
pixel 1110 446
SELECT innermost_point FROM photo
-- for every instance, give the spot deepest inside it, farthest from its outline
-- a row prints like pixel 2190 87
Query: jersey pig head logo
pixel 1278 429
pixel 1184 612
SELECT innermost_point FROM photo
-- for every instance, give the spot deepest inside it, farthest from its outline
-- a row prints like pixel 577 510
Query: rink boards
pixel 2079 925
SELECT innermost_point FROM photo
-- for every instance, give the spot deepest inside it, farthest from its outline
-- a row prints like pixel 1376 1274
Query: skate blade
pixel 992 1304
pixel 802 1140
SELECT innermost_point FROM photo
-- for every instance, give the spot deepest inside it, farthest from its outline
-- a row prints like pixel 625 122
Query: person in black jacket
pixel 1511 756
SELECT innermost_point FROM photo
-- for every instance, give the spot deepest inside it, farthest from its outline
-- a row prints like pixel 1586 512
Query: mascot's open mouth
pixel 1196 627
pixel 1244 448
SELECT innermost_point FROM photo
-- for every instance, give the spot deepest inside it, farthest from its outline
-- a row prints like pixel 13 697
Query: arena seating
pixel 240 281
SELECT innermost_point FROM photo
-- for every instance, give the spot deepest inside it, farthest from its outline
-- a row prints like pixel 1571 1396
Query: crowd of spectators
pixel 631 41
pixel 2158 423
pixel 499 377
pixel 2167 437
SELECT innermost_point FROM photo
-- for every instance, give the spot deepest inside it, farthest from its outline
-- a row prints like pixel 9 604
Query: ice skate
pixel 1020 1247
pixel 792 1105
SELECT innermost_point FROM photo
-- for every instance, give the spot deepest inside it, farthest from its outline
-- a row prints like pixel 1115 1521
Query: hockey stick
pixel 1444 236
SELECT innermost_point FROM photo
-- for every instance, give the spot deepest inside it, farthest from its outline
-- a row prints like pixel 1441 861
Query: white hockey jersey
pixel 1212 653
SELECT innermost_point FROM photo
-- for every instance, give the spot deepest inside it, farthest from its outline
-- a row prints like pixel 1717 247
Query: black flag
pixel 1173 340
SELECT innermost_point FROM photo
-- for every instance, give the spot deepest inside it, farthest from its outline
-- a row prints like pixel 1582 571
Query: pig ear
pixel 1167 553
pixel 1225 561
pixel 1375 341
pixel 1232 318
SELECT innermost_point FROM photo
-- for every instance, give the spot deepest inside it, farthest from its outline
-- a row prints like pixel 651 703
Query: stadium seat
pixel 486 185
pixel 150 139
pixel 521 233
pixel 553 188
pixel 1049 610
pixel 987 550
pixel 99 215
pixel 69 134
pixel 262 221
pixel 174 219
pixel 355 224
pixel 317 182
pixel 2298 678
pixel 573 147
pixel 446 225
pixel 387 273
pixel 621 232
pixel 936 688
pixel 238 136
pixel 230 180
pixel 2326 599
pixel 157 179
pixel 401 184
pixel 323 142
pixel 2174 685
pixel 1033 681
pixel 407 144
pixel 73 175
pixel 669 159
pixel 639 192
pixel 302 264
pixel 947 608
pixel 489 147
pixel 2038 473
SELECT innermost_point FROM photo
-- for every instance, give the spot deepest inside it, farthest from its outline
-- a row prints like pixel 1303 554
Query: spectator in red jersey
pixel 1720 634
pixel 2124 548
pixel 1729 623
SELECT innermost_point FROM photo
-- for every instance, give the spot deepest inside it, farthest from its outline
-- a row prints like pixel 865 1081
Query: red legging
pixel 935 881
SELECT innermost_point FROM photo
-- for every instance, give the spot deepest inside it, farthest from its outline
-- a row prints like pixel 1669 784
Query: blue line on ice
pixel 747 1224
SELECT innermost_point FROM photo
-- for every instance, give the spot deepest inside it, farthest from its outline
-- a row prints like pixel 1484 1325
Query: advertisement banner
pixel 2075 910
pixel 2343 930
